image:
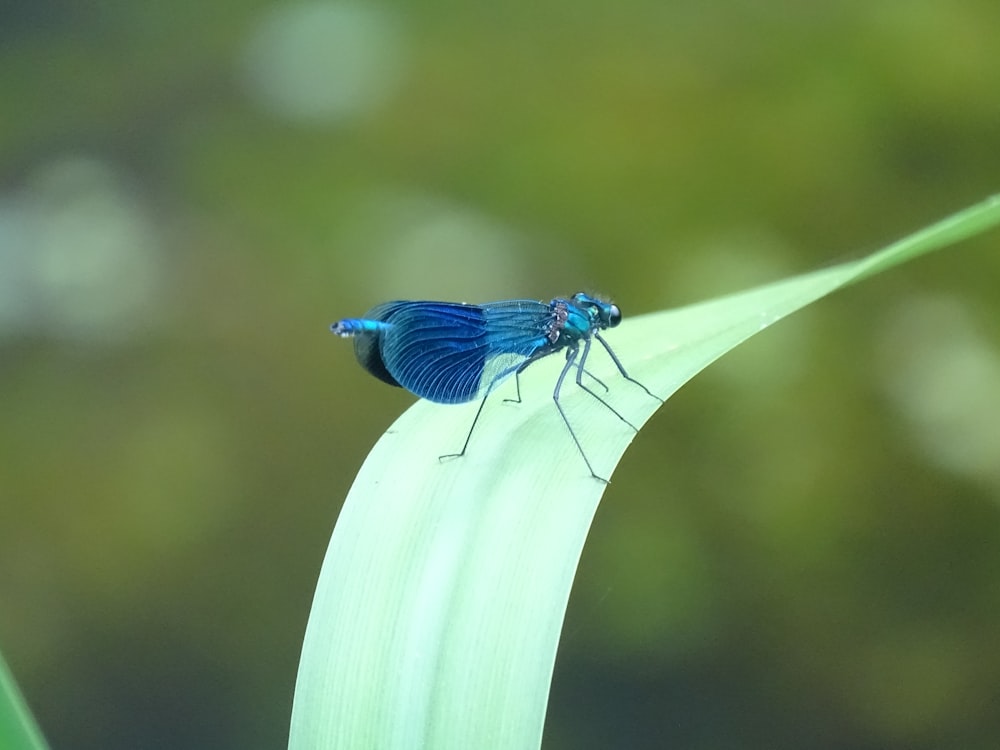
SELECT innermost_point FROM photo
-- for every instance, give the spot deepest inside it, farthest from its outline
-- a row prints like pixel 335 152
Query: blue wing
pixel 367 340
pixel 449 352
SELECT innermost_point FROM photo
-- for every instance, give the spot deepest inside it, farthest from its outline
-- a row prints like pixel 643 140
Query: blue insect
pixel 451 352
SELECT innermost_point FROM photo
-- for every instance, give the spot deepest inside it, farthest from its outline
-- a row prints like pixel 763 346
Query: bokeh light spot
pixel 78 255
pixel 322 62
pixel 945 379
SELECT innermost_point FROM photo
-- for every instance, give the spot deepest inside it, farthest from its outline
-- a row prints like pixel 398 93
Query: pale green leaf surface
pixel 440 602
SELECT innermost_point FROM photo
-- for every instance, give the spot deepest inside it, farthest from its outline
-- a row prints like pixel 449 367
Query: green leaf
pixel 439 606
pixel 18 730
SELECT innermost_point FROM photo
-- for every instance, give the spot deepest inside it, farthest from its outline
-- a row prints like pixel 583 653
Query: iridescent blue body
pixel 451 352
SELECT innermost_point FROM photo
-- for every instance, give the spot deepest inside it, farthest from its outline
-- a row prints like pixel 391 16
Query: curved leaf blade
pixel 18 730
pixel 440 602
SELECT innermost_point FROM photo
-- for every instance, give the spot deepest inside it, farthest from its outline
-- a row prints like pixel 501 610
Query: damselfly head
pixel 605 314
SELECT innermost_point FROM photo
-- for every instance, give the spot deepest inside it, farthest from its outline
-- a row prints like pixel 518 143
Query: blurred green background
pixel 801 550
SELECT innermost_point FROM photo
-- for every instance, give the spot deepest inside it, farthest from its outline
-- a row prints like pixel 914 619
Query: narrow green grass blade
pixel 18 730
pixel 438 609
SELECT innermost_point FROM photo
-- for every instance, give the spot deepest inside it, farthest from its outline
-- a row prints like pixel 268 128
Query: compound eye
pixel 614 316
